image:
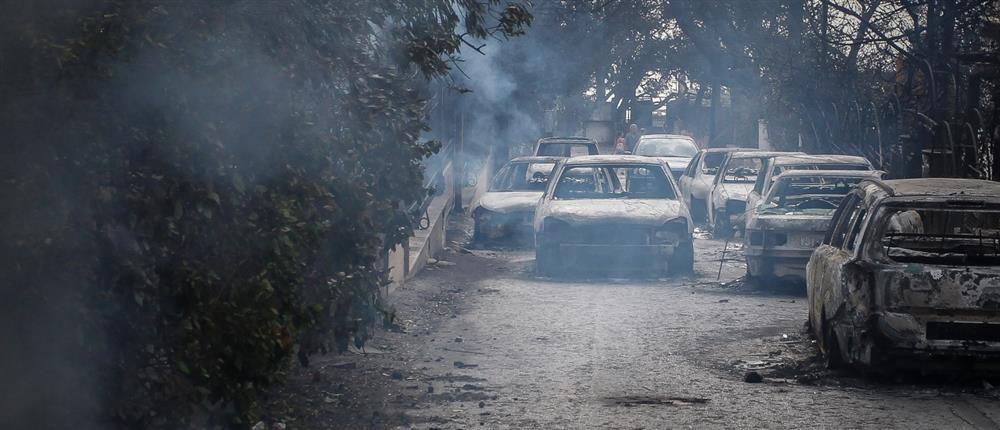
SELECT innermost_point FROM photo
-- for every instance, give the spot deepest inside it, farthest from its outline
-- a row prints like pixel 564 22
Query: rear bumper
pixel 921 338
pixel 777 262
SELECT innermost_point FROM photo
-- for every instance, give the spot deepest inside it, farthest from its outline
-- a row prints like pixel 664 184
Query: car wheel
pixel 682 262
pixel 721 228
pixel 831 346
pixel 546 260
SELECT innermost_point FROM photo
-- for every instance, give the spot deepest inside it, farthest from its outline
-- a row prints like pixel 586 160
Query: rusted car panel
pixel 784 230
pixel 590 217
pixel 507 209
pixel 909 272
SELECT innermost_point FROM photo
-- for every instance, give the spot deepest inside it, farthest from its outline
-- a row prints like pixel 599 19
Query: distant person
pixel 632 137
pixel 620 144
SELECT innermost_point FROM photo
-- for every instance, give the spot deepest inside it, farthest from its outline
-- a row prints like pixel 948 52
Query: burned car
pixel 565 147
pixel 674 149
pixel 617 212
pixel 909 271
pixel 695 183
pixel 728 198
pixel 784 230
pixel 508 207
pixel 774 166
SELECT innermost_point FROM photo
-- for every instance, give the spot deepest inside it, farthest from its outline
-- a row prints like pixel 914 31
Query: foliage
pixel 195 191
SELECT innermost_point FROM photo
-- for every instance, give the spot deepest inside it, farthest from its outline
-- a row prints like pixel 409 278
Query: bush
pixel 195 191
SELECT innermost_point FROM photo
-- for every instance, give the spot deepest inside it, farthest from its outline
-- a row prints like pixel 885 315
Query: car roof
pixel 708 150
pixel 942 187
pixel 567 139
pixel 666 136
pixel 759 153
pixel 819 158
pixel 536 159
pixel 612 159
pixel 830 173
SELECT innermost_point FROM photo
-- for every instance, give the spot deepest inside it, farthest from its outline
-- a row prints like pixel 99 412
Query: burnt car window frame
pixel 876 251
pixel 841 216
pixel 758 186
pixel 610 178
pixel 693 166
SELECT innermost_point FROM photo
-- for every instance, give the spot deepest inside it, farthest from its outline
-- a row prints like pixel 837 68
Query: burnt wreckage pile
pixel 897 272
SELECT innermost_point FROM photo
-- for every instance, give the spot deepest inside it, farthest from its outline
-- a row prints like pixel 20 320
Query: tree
pixel 194 192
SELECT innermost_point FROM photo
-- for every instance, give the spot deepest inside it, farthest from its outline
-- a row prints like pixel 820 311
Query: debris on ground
pixel 753 377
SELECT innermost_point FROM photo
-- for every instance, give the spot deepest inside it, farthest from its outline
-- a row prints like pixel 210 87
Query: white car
pixel 591 218
pixel 674 149
pixel 774 166
pixel 784 230
pixel 695 183
pixel 728 199
pixel 508 206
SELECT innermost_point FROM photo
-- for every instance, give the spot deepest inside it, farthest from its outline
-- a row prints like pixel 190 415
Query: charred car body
pixel 674 149
pixel 728 199
pixel 784 230
pixel 614 212
pixel 565 147
pixel 695 183
pixel 910 270
pixel 508 207
pixel 775 166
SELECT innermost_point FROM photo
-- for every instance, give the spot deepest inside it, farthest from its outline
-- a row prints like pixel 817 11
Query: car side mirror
pixel 627 152
pixel 711 171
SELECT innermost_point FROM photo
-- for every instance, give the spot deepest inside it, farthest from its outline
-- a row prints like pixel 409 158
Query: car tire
pixel 682 262
pixel 833 356
pixel 721 228
pixel 546 260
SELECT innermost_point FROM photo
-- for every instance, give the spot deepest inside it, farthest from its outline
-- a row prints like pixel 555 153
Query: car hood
pixel 735 191
pixel 514 201
pixel 652 212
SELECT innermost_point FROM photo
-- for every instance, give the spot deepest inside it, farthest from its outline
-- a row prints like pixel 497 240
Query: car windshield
pixel 946 235
pixel 613 182
pixel 809 194
pixel 522 177
pixel 564 149
pixel 666 147
pixel 742 170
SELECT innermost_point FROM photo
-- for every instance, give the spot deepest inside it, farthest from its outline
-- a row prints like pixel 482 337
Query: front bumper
pixel 614 256
pixel 500 225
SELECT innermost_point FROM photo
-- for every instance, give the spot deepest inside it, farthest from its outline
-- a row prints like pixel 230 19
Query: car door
pixel 687 178
pixel 824 271
pixel 757 193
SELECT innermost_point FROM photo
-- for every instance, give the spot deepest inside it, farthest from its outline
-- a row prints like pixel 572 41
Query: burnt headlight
pixel 671 232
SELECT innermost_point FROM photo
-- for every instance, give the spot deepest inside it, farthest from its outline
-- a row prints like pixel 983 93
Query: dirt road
pixel 483 343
